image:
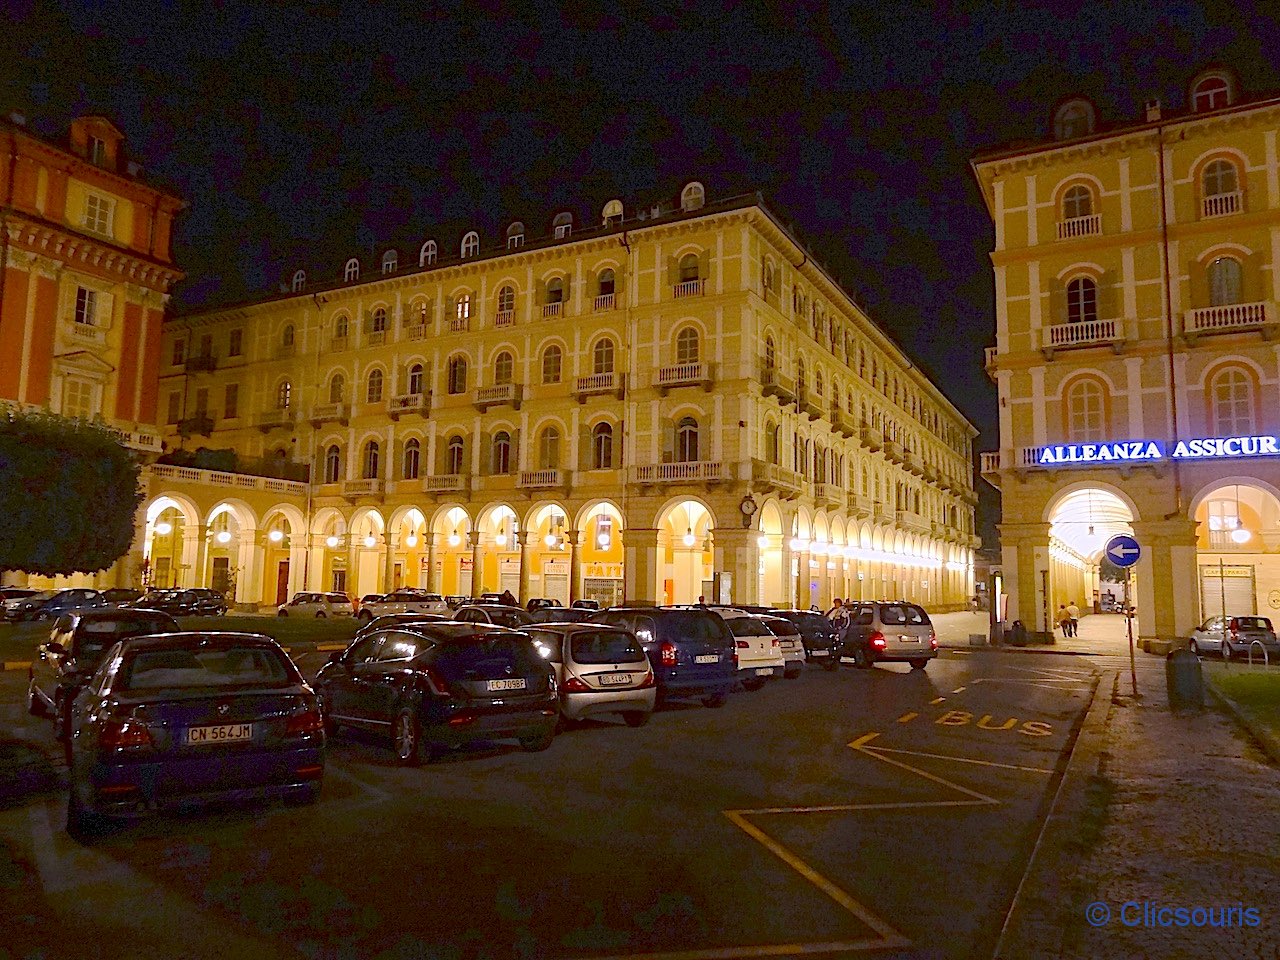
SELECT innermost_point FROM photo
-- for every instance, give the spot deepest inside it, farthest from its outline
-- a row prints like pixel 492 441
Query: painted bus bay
pixel 1203 448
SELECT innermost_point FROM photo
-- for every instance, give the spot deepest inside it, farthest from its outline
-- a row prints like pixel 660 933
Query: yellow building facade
pixel 1137 276
pixel 665 404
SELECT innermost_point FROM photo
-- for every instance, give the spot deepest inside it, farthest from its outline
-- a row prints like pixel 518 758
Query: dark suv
pixel 691 650
pixel 889 631
pixel 818 633
pixel 194 602
pixel 48 604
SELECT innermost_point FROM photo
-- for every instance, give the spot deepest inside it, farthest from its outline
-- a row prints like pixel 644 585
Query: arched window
pixel 341 326
pixel 1073 119
pixel 415 379
pixel 800 378
pixel 602 447
pixel 337 388
pixel 692 196
pixel 299 280
pixel 551 362
pixel 1082 300
pixel 1232 397
pixel 688 267
pixel 1077 202
pixel 373 393
pixel 687 345
pixel 1211 93
pixel 454 455
pixel 412 459
pixel 771 442
pixel 562 225
pixel 333 464
pixel 502 452
pixel 515 235
pixel 462 306
pixel 1086 412
pixel 687 440
pixel 817 383
pixel 457 375
pixel 770 355
pixel 390 262
pixel 606 282
pixel 470 244
pixel 427 253
pixel 284 395
pixel 506 299
pixel 1224 281
pixel 351 272
pixel 369 462
pixel 1220 178
pixel 767 276
pixel 378 320
pixel 555 290
pixel 503 368
pixel 287 335
pixel 549 449
pixel 602 356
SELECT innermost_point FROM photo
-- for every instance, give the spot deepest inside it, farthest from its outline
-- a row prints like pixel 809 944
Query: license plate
pixel 228 733
pixel 707 658
pixel 765 672
pixel 517 684
pixel 906 639
pixel 614 679
pixel 820 653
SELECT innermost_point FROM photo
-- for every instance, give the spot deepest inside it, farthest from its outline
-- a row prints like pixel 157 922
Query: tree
pixel 68 494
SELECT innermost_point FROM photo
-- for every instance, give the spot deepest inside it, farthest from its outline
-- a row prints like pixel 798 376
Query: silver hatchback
pixel 600 670
pixel 1234 636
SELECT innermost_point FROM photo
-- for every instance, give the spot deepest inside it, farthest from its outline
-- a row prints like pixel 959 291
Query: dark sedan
pixel 441 685
pixel 821 644
pixel 75 647
pixel 561 615
pixel 388 620
pixel 185 717
pixel 195 602
pixel 48 604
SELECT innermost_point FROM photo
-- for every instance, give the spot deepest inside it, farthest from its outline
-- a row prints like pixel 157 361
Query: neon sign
pixel 1146 451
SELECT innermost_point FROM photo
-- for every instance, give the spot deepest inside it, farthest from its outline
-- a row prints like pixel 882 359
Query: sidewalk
pixel 1100 633
pixel 1172 810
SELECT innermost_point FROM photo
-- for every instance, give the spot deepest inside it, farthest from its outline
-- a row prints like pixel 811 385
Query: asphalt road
pixel 832 815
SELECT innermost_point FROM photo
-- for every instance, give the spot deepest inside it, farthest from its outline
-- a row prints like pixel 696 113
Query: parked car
pixel 8 594
pixel 369 598
pixel 388 620
pixel 319 605
pixel 821 645
pixel 440 685
pixel 119 596
pixel 48 604
pixel 540 603
pixel 691 650
pixel 599 669
pixel 403 601
pixel 560 615
pixel 66 660
pixel 889 631
pixel 759 651
pixel 455 601
pixel 194 602
pixel 495 613
pixel 191 716
pixel 789 641
pixel 1232 636
pixel 585 605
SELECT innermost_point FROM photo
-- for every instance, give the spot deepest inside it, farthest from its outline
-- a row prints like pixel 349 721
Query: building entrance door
pixel 282 582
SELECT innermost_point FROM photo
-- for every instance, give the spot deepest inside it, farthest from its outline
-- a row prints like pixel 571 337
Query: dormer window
pixel 515 235
pixel 562 225
pixel 390 262
pixel 612 212
pixel 470 245
pixel 692 197
pixel 1212 91
pixel 427 254
pixel 97 151
pixel 351 272
pixel 1075 118
pixel 299 280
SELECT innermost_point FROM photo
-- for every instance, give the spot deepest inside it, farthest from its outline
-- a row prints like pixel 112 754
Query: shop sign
pixel 1146 451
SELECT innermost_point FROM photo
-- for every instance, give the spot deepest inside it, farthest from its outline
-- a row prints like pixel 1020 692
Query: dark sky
pixel 303 135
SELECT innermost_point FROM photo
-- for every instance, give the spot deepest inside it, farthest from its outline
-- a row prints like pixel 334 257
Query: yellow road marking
pixel 947 756
pixel 17 664
pixel 959 690
pixel 907 717
pixel 936 700
pixel 861 745
pixel 329 647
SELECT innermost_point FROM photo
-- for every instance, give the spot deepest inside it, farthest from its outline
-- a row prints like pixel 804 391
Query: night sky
pixel 301 136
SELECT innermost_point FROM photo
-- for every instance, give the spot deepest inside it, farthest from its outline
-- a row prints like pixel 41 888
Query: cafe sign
pixel 1148 451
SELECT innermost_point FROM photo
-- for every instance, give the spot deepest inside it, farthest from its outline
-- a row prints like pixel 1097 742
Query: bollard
pixel 1185 681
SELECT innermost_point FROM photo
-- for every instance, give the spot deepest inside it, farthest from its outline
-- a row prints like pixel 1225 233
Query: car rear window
pixel 782 628
pixel 748 627
pixel 220 667
pixel 488 657
pixel 813 624
pixel 692 625
pixel 511 618
pixel 95 636
pixel 606 646
pixel 897 614
pixel 1253 623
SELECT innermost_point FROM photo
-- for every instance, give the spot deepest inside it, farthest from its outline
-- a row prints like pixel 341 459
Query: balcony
pixel 842 422
pixel 375 338
pixel 87 333
pixel 329 413
pixel 931 474
pixel 786 482
pixel 135 440
pixel 551 310
pixel 916 522
pixel 809 404
pixel 367 487
pixel 603 302
pixel 1221 205
pixel 459 324
pixel 913 463
pixel 541 479
pixel 201 362
pixel 219 478
pixel 893 450
pixel 988 462
pixel 415 331
pixel 339 344
pixel 419 403
pixel 828 494
pixel 694 471
pixel 882 512
pixel 274 420
pixel 504 318
pixel 690 288
pixel 871 438
pixel 1075 227
pixel 684 375
pixel 496 395
pixel 989 361
pixel 1231 318
pixel 446 483
pixel 1085 333
pixel 777 384
pixel 860 505
pixel 199 425
pixel 598 383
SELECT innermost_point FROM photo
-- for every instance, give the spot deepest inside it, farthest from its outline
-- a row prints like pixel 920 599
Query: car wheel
pixel 303 796
pixel 862 658
pixel 320 615
pixel 83 824
pixel 408 734
pixel 832 663
pixel 636 718
pixel 919 664
pixel 791 674
pixel 715 700
pixel 753 685
pixel 538 743
pixel 282 613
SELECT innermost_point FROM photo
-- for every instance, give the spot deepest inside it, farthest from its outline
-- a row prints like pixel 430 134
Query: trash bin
pixel 1185 680
pixel 1018 634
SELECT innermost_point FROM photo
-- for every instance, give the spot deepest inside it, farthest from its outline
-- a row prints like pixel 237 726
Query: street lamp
pixel 224 536
pixel 275 536
pixel 164 528
pixel 331 541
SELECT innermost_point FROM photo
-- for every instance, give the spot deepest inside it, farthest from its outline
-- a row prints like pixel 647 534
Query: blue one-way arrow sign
pixel 1123 550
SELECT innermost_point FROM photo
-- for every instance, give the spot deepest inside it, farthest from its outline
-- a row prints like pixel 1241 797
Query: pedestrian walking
pixel 1073 611
pixel 1064 620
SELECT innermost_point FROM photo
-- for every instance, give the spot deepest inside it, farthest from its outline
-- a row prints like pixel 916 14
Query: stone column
pixel 1025 548
pixel 1166 587
pixel 315 562
pixel 641 566
pixel 430 538
pixel 804 593
pixel 477 563
pixel 575 565
pixel 738 554
pixel 526 539
pixel 249 572
pixel 390 545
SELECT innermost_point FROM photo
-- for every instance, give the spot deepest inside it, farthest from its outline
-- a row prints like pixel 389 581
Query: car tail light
pixel 437 682
pixel 668 653
pixel 775 642
pixel 876 639
pixel 649 680
pixel 309 771
pixel 741 644
pixel 303 722
pixel 121 734
pixel 575 685
pixel 933 639
pixel 461 720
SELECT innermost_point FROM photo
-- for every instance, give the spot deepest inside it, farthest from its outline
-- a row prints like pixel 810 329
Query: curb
pixel 17 664
pixel 1002 649
pixel 1265 739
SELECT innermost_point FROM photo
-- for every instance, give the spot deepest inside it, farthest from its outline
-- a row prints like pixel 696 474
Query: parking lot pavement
pixel 884 810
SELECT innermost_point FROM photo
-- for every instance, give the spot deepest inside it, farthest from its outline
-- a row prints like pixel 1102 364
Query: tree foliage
pixel 68 494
